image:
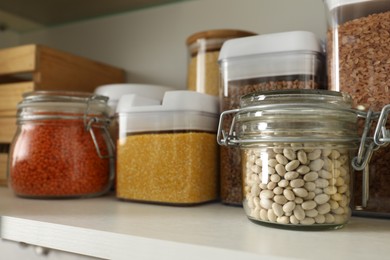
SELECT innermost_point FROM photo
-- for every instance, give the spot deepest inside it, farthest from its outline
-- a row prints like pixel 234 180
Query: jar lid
pixel 40 104
pixel 218 33
pixel 296 116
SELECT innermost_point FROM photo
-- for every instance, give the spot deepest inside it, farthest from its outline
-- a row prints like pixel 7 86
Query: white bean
pixel 307 221
pixel 291 175
pixel 278 209
pixel 297 183
pixel 311 176
pixel 281 159
pixel 283 220
pixel 321 198
pixel 299 213
pixel 310 204
pixel 302 157
pixel 314 155
pixel 316 165
pixel 289 206
pixel 324 208
pixel 266 194
pixel 289 194
pixel 289 154
pixel 303 169
pixel 271 215
pixel 279 168
pixel 300 192
pixel 292 165
pixel 280 199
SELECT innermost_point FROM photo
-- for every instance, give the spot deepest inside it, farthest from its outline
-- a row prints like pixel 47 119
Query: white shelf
pixel 107 228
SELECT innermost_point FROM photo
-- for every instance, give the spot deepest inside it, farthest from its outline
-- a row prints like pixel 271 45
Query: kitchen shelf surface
pixel 108 228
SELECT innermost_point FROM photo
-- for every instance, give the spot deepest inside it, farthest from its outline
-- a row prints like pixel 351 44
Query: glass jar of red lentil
pixel 62 148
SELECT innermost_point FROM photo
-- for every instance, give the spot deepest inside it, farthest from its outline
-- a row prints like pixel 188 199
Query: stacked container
pixel 288 60
pixel 358 46
pixel 167 152
pixel 203 49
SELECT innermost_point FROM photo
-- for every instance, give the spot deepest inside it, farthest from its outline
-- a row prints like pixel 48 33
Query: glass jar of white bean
pixel 297 147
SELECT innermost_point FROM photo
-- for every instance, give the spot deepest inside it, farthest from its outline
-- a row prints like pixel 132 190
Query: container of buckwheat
pixel 298 148
pixel 358 47
pixel 287 60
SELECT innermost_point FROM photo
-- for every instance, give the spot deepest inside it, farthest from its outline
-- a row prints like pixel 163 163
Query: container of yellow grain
pixel 166 150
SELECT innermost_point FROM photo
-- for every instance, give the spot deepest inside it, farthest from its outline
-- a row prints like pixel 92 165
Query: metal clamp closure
pixel 370 144
pixel 88 123
pixel 104 127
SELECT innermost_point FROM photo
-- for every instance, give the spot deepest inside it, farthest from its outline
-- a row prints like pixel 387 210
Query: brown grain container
pixel 358 47
pixel 287 60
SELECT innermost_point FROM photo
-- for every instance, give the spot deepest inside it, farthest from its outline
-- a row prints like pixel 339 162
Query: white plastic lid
pixel 270 43
pixel 179 110
pixel 337 3
pixel 178 100
pixel 115 91
pixel 347 10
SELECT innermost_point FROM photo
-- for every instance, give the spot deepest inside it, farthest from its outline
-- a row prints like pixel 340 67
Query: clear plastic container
pixel 62 148
pixel 358 63
pixel 203 51
pixel 297 147
pixel 288 60
pixel 166 151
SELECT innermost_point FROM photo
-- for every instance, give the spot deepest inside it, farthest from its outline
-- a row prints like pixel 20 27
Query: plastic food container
pixel 203 51
pixel 115 91
pixel 358 46
pixel 62 148
pixel 167 151
pixel 298 148
pixel 288 60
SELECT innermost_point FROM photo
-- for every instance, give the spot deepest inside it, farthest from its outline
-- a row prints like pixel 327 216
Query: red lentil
pixel 58 158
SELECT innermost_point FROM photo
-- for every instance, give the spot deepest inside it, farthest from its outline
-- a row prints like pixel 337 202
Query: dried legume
pixel 57 158
pixel 305 199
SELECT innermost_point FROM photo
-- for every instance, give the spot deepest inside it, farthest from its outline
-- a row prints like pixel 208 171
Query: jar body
pixel 298 185
pixel 358 49
pixel 203 51
pixel 53 155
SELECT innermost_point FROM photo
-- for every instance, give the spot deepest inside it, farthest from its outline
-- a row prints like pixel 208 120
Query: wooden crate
pixel 36 67
pixel 50 69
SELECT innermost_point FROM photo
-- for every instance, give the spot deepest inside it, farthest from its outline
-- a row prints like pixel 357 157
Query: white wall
pixel 150 44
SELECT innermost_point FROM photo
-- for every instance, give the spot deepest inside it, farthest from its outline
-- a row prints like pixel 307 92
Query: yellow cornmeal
pixel 177 168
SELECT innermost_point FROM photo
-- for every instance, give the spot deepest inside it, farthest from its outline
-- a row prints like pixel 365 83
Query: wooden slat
pixel 11 95
pixel 3 169
pixel 18 59
pixel 58 70
pixel 7 129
